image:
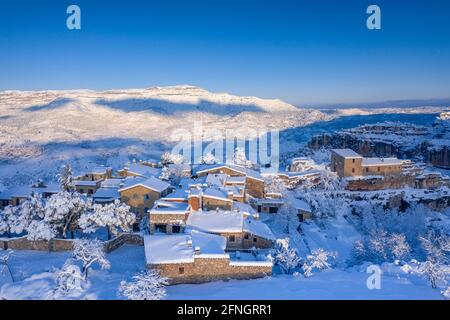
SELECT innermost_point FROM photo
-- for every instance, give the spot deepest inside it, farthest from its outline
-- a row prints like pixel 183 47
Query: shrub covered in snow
pixel 319 259
pixel 68 280
pixel 90 252
pixel 145 285
pixel 286 256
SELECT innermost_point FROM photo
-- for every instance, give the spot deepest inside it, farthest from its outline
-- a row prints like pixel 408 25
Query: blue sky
pixel 304 52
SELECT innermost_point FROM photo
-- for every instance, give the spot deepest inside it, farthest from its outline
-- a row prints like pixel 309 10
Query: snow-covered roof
pixel 143 170
pixel 381 162
pixel 150 183
pixel 301 205
pixel 235 180
pixel 216 193
pixel 346 153
pixel 237 168
pixel 91 170
pixel 107 193
pixel 111 183
pixel 216 222
pixel 216 179
pixel 178 194
pixel 179 248
pixel 258 228
pixel 243 207
pixel 26 191
pixel 19 192
pixel 165 207
pixel 86 183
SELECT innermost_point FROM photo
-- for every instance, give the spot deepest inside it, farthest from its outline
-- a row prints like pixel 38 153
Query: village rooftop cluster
pixel 203 222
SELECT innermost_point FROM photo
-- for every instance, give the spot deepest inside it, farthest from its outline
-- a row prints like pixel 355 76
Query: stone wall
pixel 439 158
pixel 245 240
pixel 210 269
pixel 213 203
pixel 56 245
pixel 254 187
pixel 22 243
pixel 380 183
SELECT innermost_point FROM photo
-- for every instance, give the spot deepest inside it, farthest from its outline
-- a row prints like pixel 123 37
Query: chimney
pixel 189 243
pixel 256 216
pixel 197 250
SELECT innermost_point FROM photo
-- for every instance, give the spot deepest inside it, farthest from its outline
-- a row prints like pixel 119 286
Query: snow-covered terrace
pixel 381 162
pixel 186 247
pixel 165 207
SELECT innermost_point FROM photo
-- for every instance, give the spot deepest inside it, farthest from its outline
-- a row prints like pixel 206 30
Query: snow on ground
pixel 33 280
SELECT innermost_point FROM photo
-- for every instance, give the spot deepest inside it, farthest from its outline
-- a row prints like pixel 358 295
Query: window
pixel 353 170
pixel 353 160
pixel 367 169
pixel 147 197
pixel 181 270
pixel 246 237
pixel 255 240
pixel 378 169
pixel 232 238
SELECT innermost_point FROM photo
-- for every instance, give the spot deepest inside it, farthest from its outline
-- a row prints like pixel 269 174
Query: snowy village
pixel 228 151
pixel 213 221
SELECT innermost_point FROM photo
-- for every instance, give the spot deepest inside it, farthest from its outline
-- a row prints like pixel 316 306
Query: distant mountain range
pixel 387 104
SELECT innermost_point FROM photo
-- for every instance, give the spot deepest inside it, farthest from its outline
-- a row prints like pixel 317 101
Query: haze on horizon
pixel 302 52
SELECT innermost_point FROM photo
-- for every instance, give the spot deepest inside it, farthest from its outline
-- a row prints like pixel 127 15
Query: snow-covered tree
pixel 400 248
pixel 65 178
pixel 380 246
pixel 240 158
pixel 165 174
pixel 170 158
pixel 433 271
pixel 437 248
pixel 68 279
pixel 446 293
pixel 209 158
pixel 5 220
pixel 90 252
pixel 5 255
pixel 116 217
pixel 29 210
pixel 173 173
pixel 285 256
pixel 40 230
pixel 319 259
pixel 146 285
pixel 64 209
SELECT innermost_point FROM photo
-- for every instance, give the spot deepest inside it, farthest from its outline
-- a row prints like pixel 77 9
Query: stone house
pixel 254 182
pixel 16 195
pixel 141 193
pixel 197 257
pixel 347 163
pixel 240 230
pixel 139 169
pixel 168 217
pixel 94 174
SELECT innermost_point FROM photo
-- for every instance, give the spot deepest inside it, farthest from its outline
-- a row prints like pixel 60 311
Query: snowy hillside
pixel 41 130
pixel 115 126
